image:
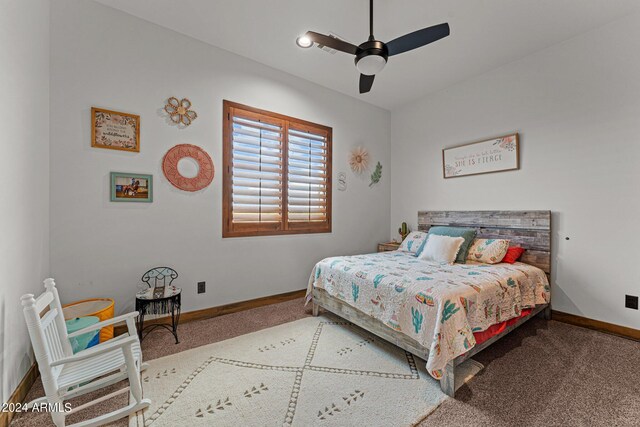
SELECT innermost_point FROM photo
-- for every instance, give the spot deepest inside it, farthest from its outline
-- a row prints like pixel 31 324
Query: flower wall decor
pixel 359 160
pixel 179 111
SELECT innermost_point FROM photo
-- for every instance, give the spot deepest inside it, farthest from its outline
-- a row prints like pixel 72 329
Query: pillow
pixel 443 249
pixel 413 242
pixel 468 234
pixel 513 254
pixel 490 251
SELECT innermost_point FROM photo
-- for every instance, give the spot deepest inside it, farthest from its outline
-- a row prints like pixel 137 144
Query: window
pixel 276 174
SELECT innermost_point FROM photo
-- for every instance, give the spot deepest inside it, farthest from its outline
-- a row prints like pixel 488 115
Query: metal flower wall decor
pixel 179 111
pixel 359 160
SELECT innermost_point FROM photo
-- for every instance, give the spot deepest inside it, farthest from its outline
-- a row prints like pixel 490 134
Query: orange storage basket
pixel 102 308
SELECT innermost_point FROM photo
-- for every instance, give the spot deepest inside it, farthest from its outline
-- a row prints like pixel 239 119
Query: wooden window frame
pixel 283 227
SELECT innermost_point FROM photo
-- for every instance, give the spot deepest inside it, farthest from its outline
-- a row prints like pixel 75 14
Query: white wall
pixel 576 106
pixel 103 57
pixel 24 175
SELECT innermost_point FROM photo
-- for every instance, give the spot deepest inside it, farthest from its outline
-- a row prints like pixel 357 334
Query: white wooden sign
pixel 491 155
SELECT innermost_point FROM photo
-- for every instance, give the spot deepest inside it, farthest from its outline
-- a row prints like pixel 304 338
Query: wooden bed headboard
pixel 529 229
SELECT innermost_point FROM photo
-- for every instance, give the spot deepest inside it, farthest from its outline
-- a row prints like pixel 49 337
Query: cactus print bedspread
pixel 440 306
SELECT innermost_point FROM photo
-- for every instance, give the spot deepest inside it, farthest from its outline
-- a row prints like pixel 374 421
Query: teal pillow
pixel 467 233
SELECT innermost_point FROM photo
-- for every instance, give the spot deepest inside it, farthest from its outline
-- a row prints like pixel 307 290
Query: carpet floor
pixel 317 371
pixel 542 374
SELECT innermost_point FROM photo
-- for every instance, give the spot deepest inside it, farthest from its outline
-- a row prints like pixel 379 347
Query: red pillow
pixel 513 253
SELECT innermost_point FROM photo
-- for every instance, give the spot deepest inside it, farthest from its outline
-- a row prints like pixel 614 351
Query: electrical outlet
pixel 631 301
pixel 201 287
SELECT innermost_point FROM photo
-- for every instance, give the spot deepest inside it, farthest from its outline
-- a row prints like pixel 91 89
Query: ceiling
pixel 485 34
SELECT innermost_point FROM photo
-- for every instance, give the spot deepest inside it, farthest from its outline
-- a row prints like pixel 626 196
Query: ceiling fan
pixel 372 55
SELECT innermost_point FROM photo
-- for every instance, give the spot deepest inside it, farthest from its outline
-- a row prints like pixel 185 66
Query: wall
pixel 105 58
pixel 24 175
pixel 576 106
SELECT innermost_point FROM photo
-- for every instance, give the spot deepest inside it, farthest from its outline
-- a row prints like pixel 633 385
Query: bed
pixel 443 314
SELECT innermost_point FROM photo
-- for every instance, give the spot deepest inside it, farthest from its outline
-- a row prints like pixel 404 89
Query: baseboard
pixel 210 312
pixel 19 394
pixel 597 325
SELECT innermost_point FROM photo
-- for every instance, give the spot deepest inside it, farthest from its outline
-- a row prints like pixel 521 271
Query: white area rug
pixel 318 371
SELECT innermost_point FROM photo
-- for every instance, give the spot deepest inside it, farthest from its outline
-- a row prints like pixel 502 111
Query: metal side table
pixel 168 303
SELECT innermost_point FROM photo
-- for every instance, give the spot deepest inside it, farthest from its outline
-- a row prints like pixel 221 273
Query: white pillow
pixel 413 242
pixel 443 249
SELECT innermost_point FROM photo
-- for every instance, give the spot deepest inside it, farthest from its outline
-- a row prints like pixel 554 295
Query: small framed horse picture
pixel 131 187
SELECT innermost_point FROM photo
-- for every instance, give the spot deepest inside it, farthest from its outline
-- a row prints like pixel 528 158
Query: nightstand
pixel 389 246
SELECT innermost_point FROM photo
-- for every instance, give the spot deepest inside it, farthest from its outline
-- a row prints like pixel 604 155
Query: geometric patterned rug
pixel 316 371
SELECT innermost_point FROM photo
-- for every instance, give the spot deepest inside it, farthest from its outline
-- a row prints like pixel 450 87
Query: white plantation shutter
pixel 277 174
pixel 257 171
pixel 307 179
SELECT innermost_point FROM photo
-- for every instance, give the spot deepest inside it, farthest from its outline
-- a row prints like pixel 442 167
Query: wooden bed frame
pixel 529 229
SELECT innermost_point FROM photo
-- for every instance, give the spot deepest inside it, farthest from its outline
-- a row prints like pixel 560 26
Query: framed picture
pixel 115 130
pixel 131 187
pixel 490 155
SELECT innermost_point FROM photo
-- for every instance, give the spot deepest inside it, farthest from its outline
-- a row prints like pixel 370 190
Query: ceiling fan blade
pixel 417 39
pixel 332 42
pixel 366 82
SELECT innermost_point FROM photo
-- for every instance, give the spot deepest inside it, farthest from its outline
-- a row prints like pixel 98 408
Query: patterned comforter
pixel 440 306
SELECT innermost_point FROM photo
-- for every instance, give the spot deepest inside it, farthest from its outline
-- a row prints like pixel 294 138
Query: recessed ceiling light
pixel 304 41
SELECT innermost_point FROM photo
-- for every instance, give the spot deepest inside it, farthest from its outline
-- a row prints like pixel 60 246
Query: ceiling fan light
pixel 371 65
pixel 304 41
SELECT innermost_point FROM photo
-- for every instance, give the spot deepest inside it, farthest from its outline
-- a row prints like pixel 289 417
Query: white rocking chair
pixel 66 375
